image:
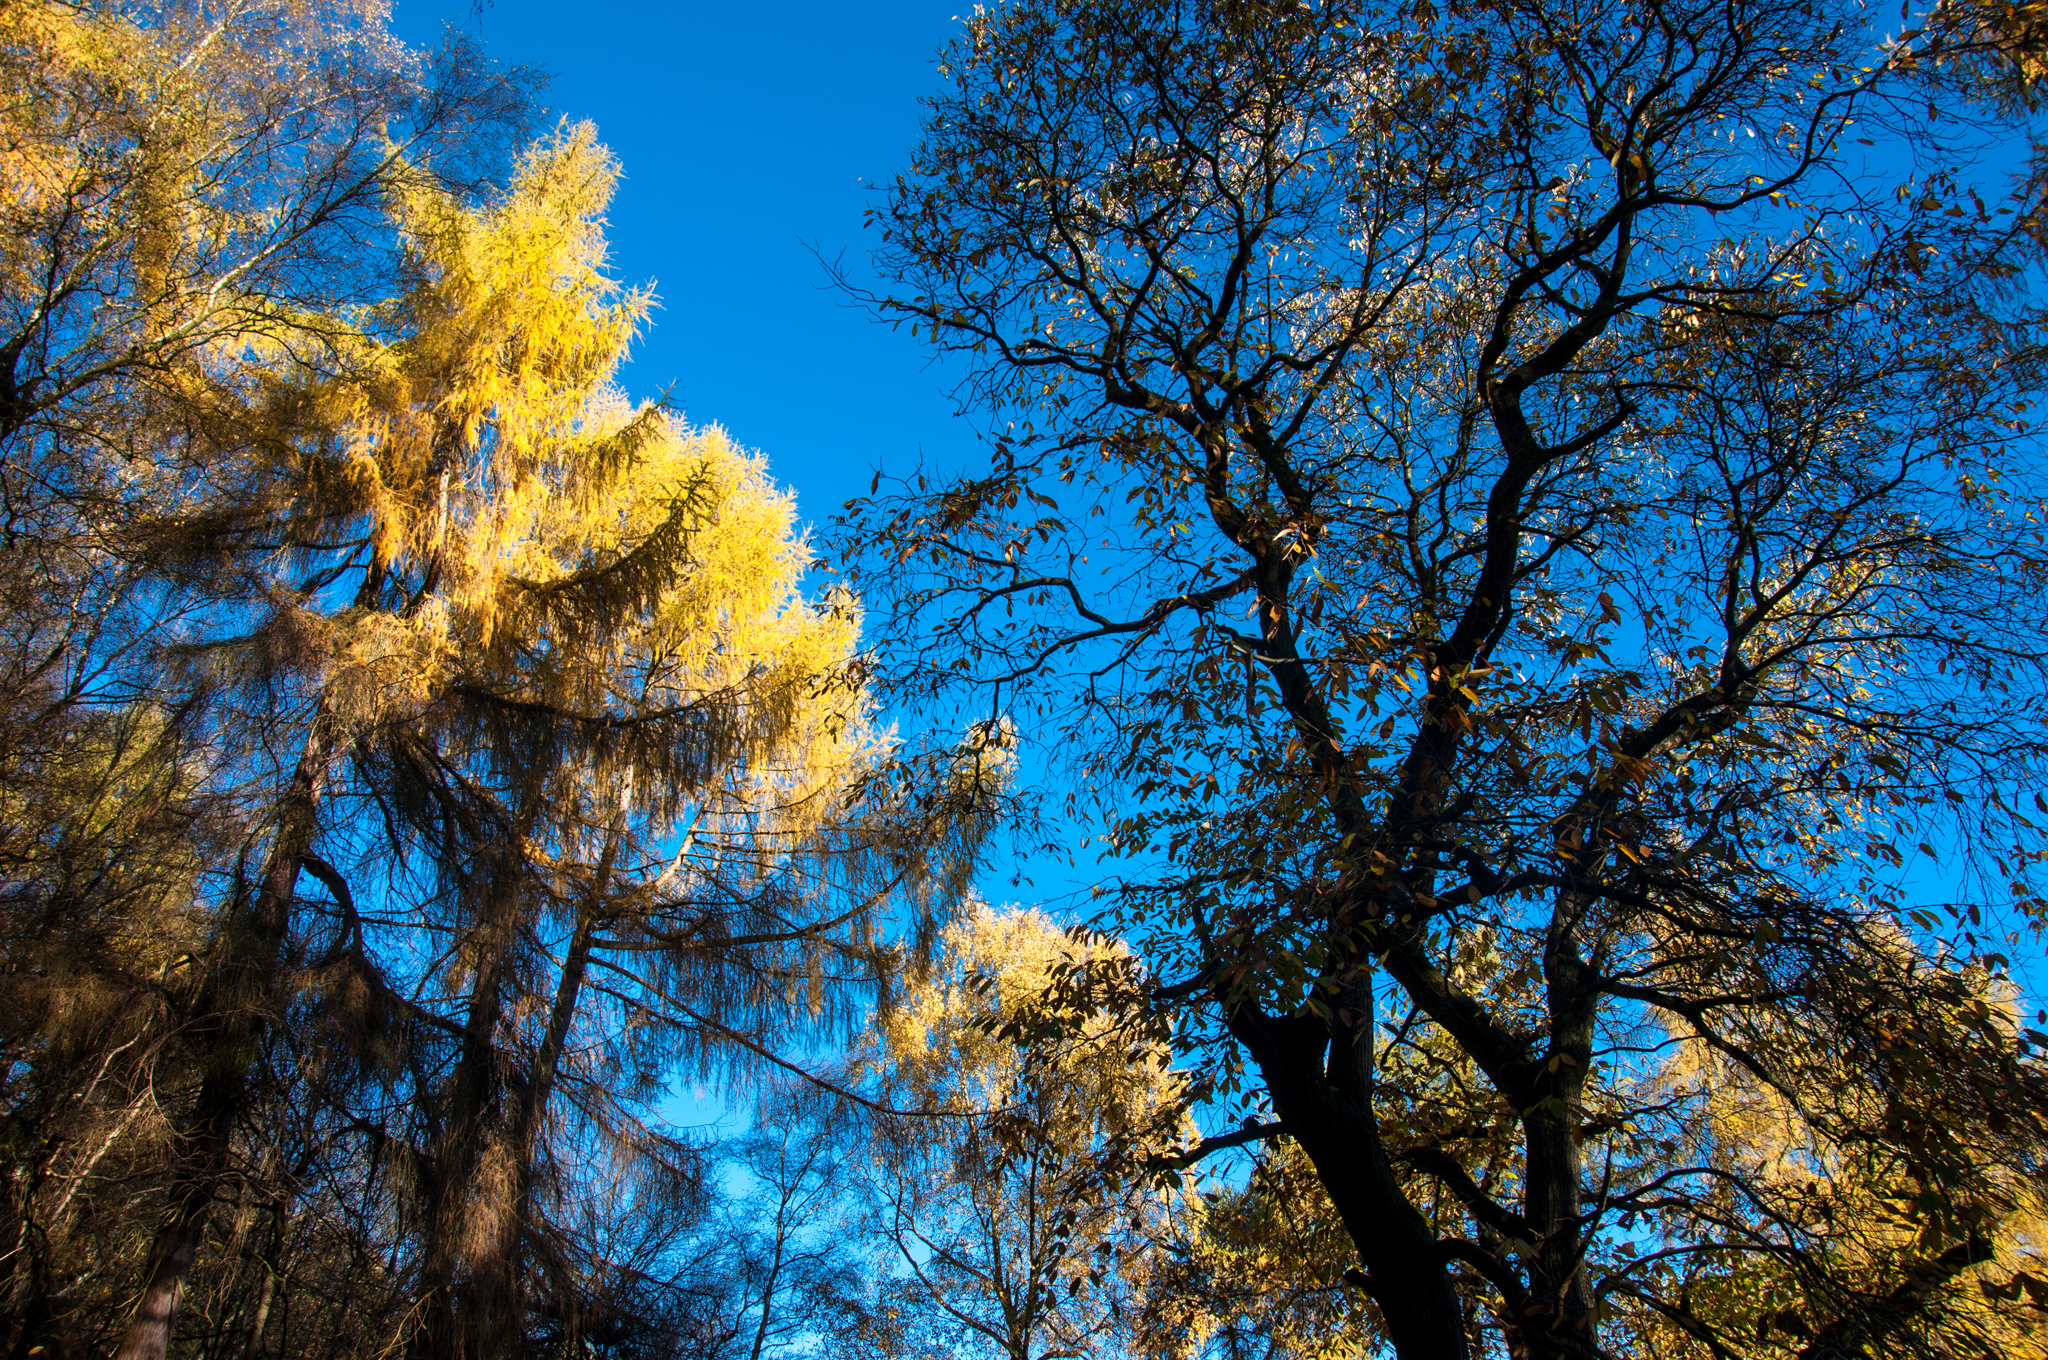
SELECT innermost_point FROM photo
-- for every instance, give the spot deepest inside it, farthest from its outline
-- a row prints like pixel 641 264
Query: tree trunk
pixel 234 1007
pixel 252 1344
pixel 41 1334
pixel 458 1151
pixel 1327 1108
pixel 1560 1320
pixel 447 1320
pixel 498 1303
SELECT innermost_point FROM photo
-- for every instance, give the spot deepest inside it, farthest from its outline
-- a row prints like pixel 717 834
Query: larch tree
pixel 413 752
pixel 187 190
pixel 679 744
pixel 1524 520
pixel 376 496
pixel 702 884
pixel 550 648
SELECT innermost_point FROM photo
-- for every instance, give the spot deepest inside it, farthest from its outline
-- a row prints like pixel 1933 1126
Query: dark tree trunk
pixel 448 1304
pixel 42 1333
pixel 234 1009
pixel 498 1302
pixel 458 1151
pixel 1319 1075
pixel 1560 1318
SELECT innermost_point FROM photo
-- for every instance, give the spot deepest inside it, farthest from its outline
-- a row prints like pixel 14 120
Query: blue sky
pixel 750 138
pixel 746 133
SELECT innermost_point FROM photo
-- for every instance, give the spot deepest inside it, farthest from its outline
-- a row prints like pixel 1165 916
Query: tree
pixel 1258 1268
pixel 557 664
pixel 414 751
pixel 404 469
pixel 1007 1149
pixel 189 191
pixel 1523 518
pixel 795 1245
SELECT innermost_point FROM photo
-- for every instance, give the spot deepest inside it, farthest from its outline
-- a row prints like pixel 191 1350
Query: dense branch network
pixel 1607 501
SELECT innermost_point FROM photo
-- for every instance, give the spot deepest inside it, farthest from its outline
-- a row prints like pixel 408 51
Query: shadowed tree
pixel 189 192
pixel 578 687
pixel 1523 519
pixel 397 501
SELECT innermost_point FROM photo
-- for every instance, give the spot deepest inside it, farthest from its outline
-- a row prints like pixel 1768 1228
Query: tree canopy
pixel 418 752
pixel 1524 521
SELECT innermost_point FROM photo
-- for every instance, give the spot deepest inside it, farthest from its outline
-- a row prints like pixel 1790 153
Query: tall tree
pixel 560 663
pixel 189 191
pixel 1523 518
pixel 414 751
pixel 389 485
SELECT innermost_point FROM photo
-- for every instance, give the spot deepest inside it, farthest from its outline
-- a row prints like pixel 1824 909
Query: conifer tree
pixel 188 191
pixel 538 634
pixel 396 504
pixel 414 750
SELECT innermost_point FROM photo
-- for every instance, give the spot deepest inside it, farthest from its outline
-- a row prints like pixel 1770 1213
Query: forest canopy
pixel 1510 557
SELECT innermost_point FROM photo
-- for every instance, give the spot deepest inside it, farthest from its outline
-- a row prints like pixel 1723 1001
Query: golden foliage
pixel 1018 1193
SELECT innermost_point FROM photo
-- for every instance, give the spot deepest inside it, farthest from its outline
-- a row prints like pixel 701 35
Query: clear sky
pixel 746 132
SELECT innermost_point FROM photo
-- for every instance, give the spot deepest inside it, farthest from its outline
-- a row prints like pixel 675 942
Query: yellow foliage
pixel 944 1040
pixel 1880 1224
pixel 1265 1259
pixel 1020 1192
